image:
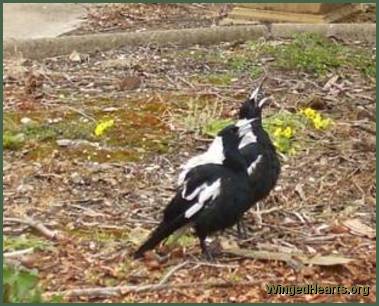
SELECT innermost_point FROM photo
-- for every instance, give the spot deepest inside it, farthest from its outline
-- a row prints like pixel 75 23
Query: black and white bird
pixel 212 196
pixel 263 166
pixel 258 150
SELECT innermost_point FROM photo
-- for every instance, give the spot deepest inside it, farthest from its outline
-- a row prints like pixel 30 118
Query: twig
pixel 210 264
pixel 18 253
pixel 119 290
pixel 38 226
pixel 81 113
pixel 171 272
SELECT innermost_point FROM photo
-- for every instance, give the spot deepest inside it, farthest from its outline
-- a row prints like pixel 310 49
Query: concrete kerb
pixel 49 47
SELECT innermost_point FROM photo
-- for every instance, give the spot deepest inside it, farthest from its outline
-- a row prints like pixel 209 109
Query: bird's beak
pixel 264 102
pixel 254 94
pixel 256 90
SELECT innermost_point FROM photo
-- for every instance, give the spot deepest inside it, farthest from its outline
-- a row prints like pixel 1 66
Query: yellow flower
pixel 309 113
pixel 287 132
pixel 102 126
pixel 316 119
pixel 278 132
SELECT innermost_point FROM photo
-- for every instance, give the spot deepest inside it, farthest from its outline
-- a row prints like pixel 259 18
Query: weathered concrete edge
pixel 49 47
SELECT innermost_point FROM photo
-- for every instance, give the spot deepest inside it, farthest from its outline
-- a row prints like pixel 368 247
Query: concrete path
pixel 38 20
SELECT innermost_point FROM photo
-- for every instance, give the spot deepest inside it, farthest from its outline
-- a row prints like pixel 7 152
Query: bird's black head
pixel 252 107
pixel 230 136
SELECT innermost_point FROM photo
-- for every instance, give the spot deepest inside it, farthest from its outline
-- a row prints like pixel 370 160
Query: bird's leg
pixel 258 216
pixel 241 230
pixel 204 248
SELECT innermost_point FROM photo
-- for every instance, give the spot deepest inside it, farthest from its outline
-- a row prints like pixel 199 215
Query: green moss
pixel 138 131
pixel 22 242
pixel 215 79
pixel 184 240
pixel 99 235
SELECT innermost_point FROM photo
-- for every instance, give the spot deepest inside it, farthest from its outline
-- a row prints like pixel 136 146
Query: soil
pixel 103 194
pixel 142 17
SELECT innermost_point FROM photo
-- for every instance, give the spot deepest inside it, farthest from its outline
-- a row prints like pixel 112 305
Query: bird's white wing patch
pixel 214 155
pixel 194 193
pixel 254 164
pixel 192 210
pixel 209 192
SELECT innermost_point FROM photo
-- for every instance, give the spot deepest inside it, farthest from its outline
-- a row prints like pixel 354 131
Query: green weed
pixel 314 53
pixel 13 140
pixel 204 119
pixel 20 286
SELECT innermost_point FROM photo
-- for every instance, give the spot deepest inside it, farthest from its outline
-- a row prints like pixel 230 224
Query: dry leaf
pixel 330 82
pixel 358 228
pixel 75 57
pixel 228 244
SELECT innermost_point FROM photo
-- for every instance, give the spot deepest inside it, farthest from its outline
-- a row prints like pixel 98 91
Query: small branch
pixel 18 253
pixel 120 290
pixel 171 272
pixel 81 113
pixel 38 226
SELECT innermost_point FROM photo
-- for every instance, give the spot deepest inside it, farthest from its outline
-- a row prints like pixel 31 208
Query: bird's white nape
pixel 245 132
pixel 247 139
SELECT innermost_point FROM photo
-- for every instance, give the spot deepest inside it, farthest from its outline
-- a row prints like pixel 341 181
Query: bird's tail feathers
pixel 164 230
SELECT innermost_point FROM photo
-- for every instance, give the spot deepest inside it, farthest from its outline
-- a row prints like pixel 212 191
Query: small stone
pixel 26 121
pixel 110 109
pixel 76 178
pixel 23 188
pixel 64 142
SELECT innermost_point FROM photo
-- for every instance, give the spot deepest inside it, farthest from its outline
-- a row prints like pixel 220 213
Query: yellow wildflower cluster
pixel 102 126
pixel 287 132
pixel 316 119
pixel 283 139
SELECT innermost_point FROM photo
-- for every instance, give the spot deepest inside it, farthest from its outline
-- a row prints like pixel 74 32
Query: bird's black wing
pixel 202 183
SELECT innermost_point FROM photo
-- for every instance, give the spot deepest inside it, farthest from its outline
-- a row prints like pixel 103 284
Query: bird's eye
pixel 235 129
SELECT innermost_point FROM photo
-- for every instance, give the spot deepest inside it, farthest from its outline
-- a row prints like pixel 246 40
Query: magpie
pixel 256 147
pixel 212 196
pixel 258 150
